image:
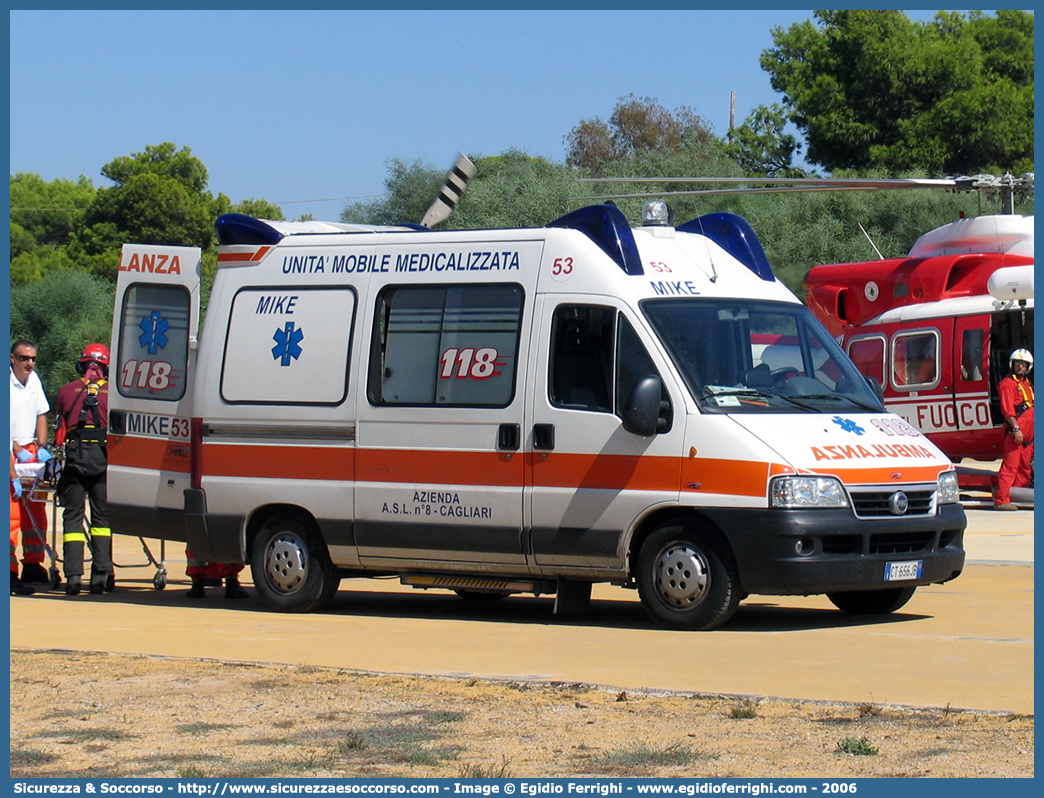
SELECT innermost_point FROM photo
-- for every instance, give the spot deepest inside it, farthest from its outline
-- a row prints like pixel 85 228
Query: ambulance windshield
pixel 746 356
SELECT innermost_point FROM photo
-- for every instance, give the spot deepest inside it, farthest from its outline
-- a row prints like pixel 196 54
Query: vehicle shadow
pixel 770 615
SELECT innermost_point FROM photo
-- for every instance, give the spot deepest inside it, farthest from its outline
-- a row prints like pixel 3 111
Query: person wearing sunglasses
pixel 29 408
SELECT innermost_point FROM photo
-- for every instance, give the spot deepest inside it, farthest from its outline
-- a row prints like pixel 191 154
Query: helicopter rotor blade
pixel 1007 185
pixel 449 194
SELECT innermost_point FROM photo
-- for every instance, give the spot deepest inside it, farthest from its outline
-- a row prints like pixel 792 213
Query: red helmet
pixel 94 353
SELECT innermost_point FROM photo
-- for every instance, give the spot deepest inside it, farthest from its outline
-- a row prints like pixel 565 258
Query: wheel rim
pixel 286 563
pixel 682 576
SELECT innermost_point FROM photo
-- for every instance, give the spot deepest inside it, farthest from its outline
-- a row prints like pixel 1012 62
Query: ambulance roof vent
pixel 735 235
pixel 238 228
pixel 607 227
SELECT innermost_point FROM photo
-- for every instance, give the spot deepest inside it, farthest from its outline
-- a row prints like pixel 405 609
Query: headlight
pixel 948 491
pixel 807 492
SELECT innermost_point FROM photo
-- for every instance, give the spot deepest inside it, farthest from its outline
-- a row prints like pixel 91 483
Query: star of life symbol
pixel 153 337
pixel 288 344
pixel 848 425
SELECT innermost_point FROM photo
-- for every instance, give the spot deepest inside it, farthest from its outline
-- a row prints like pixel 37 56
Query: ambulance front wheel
pixel 687 579
pixel 871 602
pixel 290 567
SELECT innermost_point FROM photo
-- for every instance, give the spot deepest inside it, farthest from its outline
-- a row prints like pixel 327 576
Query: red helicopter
pixel 935 328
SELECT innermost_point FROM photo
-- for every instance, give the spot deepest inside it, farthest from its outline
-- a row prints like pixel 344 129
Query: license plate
pixel 898 571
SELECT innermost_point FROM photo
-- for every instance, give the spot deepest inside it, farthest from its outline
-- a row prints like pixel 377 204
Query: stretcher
pixel 37 488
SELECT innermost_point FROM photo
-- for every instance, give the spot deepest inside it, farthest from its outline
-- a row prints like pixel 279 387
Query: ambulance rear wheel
pixel 871 602
pixel 687 579
pixel 290 566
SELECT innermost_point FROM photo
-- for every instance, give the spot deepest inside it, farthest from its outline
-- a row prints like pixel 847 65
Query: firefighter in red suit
pixel 1016 400
pixel 82 411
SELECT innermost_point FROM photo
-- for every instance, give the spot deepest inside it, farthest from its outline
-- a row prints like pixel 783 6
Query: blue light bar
pixel 735 235
pixel 606 226
pixel 238 228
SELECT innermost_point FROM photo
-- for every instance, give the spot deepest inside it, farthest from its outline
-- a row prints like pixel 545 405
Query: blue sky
pixel 296 107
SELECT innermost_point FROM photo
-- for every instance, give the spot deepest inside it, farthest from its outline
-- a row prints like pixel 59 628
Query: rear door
pixel 154 330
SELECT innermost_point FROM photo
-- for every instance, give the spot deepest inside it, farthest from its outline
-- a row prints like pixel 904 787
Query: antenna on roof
pixel 449 194
pixel 879 255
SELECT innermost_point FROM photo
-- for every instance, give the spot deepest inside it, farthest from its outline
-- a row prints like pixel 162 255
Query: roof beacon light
pixel 657 213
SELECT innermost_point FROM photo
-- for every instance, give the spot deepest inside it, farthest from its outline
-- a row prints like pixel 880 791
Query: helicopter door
pixel 971 389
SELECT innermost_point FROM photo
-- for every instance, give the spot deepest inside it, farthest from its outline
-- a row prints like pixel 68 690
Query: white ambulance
pixel 515 411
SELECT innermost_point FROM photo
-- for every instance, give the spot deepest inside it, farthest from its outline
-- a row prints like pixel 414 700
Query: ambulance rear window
pixel 446 345
pixel 153 347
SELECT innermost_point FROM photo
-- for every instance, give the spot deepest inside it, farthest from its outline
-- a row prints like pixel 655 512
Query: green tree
pixel 874 89
pixel 43 217
pixel 761 146
pixel 61 313
pixel 513 189
pixel 638 126
pixel 160 197
pixel 411 187
pixel 259 209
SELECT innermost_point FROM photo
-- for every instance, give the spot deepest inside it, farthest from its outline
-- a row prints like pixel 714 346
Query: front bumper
pixel 839 551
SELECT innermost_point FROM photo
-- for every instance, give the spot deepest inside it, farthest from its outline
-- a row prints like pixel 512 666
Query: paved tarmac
pixel 965 644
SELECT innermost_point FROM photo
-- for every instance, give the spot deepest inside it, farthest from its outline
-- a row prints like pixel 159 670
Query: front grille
pixel 901 542
pixel 842 544
pixel 876 503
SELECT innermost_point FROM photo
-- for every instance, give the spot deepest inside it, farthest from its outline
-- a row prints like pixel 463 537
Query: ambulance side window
pixel 154 336
pixel 632 364
pixel 582 357
pixel 446 345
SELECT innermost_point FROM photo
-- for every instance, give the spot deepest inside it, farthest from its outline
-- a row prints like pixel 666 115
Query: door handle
pixel 118 422
pixel 544 436
pixel 509 437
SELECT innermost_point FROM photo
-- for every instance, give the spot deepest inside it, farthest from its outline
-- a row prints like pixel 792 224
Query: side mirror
pixel 641 414
pixel 875 386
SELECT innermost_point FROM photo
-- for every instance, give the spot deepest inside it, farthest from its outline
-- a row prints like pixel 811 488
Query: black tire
pixel 871 602
pixel 480 595
pixel 291 568
pixel 687 579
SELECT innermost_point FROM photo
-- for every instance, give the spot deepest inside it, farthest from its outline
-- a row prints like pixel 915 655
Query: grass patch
pixel 643 755
pixel 194 729
pixel 415 755
pixel 30 756
pixel 869 710
pixel 353 741
pixel 856 747
pixel 746 709
pixel 444 717
pixel 501 771
pixel 88 735
pixel 191 772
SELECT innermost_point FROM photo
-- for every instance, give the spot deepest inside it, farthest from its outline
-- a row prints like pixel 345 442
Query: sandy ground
pixel 105 715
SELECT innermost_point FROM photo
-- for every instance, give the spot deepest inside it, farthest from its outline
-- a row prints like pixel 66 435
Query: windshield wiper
pixel 758 393
pixel 844 398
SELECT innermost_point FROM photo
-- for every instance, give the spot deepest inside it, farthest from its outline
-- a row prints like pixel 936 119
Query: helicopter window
pixel 868 354
pixel 915 359
pixel 971 355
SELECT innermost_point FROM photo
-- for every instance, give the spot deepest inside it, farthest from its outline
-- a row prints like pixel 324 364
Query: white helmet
pixel 1021 354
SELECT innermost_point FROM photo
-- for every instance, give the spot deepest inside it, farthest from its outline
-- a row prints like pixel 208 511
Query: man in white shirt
pixel 29 408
